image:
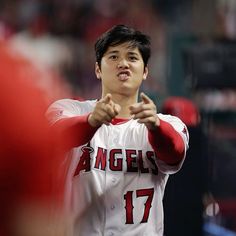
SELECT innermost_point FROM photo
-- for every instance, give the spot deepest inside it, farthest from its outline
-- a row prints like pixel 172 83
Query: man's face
pixel 122 70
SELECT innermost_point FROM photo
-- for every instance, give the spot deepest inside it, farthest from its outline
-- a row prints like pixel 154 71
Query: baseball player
pixel 122 149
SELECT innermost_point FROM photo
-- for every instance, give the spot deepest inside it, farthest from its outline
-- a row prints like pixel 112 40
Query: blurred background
pixel 193 57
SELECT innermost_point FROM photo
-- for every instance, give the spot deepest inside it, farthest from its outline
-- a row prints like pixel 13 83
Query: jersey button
pixel 111 234
pixel 113 180
pixel 113 207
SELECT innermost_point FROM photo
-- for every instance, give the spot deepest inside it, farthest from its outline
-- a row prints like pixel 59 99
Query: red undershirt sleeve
pixel 75 131
pixel 167 143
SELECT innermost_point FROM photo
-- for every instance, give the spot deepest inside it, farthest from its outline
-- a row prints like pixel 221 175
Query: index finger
pixel 145 98
pixel 106 99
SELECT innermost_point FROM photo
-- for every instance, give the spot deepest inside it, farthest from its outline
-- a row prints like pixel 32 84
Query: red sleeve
pixel 167 143
pixel 75 130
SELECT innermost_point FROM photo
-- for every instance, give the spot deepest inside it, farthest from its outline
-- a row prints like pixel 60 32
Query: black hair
pixel 119 34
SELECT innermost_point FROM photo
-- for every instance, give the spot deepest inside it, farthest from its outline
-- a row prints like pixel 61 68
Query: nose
pixel 123 63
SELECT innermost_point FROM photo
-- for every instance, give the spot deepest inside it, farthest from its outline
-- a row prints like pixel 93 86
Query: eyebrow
pixel 112 52
pixel 116 51
pixel 133 53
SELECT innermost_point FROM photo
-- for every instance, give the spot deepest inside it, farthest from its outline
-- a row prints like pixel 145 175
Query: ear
pixel 145 73
pixel 97 71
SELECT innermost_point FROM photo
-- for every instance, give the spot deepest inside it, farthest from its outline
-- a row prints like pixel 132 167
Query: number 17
pixel 129 204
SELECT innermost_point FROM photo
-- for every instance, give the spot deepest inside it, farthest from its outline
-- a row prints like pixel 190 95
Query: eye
pixel 113 57
pixel 133 58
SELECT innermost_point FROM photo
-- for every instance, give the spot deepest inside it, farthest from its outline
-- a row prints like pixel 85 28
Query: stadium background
pixel 193 56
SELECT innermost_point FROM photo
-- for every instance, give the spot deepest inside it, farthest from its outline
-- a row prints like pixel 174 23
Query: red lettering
pixel 150 156
pixel 113 159
pixel 101 159
pixel 140 160
pixel 131 159
pixel 84 162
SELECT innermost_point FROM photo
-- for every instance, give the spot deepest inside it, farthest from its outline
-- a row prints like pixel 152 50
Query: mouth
pixel 123 75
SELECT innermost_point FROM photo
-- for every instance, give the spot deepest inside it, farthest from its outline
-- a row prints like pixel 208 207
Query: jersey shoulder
pixel 173 120
pixel 178 125
pixel 68 108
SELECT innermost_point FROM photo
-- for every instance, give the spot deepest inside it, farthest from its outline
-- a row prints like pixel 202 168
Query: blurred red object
pixel 48 81
pixel 79 98
pixel 183 108
pixel 32 177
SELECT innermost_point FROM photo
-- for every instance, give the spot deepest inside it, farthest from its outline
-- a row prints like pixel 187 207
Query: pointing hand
pixel 104 111
pixel 145 112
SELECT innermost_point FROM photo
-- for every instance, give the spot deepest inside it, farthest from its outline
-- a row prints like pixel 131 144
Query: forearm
pixel 76 131
pixel 167 143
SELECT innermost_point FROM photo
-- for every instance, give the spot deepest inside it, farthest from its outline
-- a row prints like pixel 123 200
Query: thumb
pixel 117 108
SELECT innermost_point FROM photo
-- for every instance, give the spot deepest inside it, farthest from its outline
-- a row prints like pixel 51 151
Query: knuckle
pixel 146 113
pixel 109 109
pixel 108 118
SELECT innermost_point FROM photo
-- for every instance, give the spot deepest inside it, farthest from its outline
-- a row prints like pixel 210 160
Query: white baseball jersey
pixel 116 180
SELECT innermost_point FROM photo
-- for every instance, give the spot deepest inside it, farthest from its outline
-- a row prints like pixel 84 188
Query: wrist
pixel 154 125
pixel 92 121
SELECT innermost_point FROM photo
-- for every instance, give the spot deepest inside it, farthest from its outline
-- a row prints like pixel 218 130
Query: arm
pixel 79 130
pixel 76 130
pixel 164 139
pixel 167 143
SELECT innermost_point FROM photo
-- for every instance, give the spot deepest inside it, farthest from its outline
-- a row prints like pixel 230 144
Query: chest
pixel 118 149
